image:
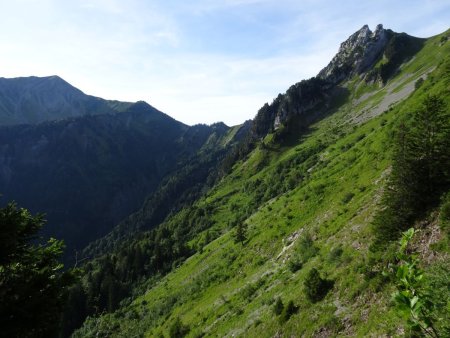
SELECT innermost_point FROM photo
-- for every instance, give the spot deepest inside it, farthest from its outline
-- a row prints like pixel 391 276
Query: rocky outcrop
pixel 357 54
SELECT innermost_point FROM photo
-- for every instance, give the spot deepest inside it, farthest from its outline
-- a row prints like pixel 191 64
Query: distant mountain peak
pixel 33 99
pixel 356 54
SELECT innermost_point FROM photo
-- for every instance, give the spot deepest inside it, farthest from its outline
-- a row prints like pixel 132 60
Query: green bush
pixel 306 248
pixel 347 197
pixel 335 254
pixel 288 311
pixel 411 299
pixel 295 264
pixel 178 329
pixel 316 287
pixel 419 83
pixel 278 306
pixel 248 291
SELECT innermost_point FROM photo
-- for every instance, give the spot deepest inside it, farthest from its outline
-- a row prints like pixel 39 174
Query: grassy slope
pixel 332 180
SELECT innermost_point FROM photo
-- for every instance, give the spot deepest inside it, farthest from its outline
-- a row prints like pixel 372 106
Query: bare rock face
pixel 356 54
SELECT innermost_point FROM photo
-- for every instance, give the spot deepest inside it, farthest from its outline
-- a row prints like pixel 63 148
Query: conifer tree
pixel 240 235
pixel 32 282
pixel 420 169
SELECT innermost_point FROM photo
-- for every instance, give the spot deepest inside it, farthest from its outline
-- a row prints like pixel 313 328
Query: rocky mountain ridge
pixel 375 56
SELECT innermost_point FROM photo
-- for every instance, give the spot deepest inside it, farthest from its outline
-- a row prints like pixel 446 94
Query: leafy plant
pixel 335 254
pixel 347 197
pixel 240 235
pixel 295 264
pixel 410 298
pixel 306 248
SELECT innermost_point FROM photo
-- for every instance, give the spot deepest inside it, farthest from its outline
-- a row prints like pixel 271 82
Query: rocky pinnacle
pixel 356 54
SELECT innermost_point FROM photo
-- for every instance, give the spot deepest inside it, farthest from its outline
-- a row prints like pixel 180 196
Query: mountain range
pixel 81 162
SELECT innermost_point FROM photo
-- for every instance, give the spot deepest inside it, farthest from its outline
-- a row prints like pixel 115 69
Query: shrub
pixel 178 329
pixel 316 287
pixel 278 306
pixel 306 247
pixel 347 197
pixel 418 83
pixel 413 301
pixel 295 264
pixel 335 254
pixel 288 311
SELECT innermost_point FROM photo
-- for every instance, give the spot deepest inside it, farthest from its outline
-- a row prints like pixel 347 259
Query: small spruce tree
pixel 240 236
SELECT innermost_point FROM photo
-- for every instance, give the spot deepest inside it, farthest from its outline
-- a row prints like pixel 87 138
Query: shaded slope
pixel 184 185
pixel 88 173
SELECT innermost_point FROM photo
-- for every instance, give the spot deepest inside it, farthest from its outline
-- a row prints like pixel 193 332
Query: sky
pixel 199 61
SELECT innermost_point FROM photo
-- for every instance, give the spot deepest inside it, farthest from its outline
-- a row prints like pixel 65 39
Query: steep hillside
pixel 88 173
pixel 301 201
pixel 30 100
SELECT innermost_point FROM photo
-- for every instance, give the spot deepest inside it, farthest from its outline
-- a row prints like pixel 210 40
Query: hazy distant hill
pixel 37 99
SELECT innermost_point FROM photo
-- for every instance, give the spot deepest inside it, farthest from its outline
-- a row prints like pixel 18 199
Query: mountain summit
pixel 31 100
pixel 356 54
pixel 380 52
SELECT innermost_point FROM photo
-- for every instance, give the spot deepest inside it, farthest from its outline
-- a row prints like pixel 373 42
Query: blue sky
pixel 199 61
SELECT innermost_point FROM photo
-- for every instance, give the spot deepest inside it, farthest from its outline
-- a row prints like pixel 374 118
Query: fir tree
pixel 420 169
